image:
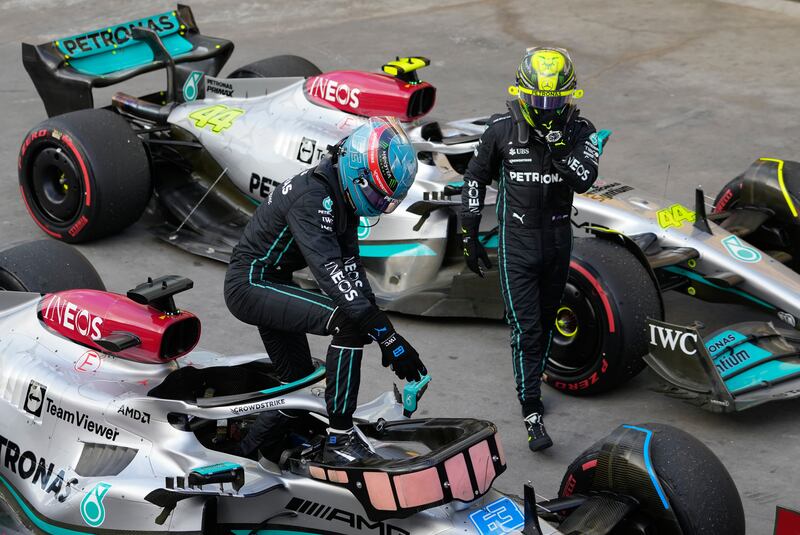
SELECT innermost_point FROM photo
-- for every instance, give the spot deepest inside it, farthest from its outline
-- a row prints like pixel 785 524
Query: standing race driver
pixel 312 220
pixel 539 153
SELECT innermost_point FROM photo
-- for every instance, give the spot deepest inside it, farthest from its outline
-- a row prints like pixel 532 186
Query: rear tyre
pixel 45 266
pixel 277 66
pixel 699 488
pixel 84 175
pixel 600 333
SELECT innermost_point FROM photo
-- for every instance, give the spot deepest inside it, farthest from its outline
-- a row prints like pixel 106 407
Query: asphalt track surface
pixel 693 90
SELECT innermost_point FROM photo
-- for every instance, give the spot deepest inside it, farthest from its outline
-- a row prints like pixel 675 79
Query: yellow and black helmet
pixel 546 85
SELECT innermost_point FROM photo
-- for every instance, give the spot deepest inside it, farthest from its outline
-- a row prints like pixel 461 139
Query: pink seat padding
pixel 317 472
pixel 418 488
pixel 458 477
pixel 380 491
pixel 482 465
pixel 338 476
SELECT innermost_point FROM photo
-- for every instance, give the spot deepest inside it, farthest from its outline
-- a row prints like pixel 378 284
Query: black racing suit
pixel 305 222
pixel 534 202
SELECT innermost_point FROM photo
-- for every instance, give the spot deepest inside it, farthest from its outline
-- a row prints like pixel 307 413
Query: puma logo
pixel 520 217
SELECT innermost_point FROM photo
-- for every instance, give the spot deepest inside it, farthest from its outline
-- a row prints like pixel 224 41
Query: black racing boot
pixel 538 439
pixel 345 447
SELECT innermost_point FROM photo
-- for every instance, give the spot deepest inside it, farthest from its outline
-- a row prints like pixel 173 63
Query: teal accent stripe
pixel 349 373
pixel 288 243
pixel 326 307
pixel 699 278
pixel 516 347
pixel 395 249
pixel 336 393
pixel 271 286
pixel 316 374
pixel 38 522
pixel 323 298
pixel 269 252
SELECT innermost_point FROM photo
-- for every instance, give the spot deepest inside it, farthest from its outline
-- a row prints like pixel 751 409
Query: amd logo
pixel 671 339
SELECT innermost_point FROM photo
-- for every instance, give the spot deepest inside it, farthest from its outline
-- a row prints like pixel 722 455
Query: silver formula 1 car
pixel 112 422
pixel 208 150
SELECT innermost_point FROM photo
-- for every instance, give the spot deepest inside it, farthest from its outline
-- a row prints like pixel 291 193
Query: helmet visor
pixel 382 203
pixel 387 166
pixel 545 100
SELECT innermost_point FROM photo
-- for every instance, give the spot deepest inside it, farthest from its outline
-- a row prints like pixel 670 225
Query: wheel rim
pixel 55 186
pixel 577 337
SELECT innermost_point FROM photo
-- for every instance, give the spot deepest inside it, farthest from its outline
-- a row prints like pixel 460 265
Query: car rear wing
pixel 738 367
pixel 66 70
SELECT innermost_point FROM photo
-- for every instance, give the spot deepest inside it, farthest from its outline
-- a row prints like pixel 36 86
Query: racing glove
pixel 474 252
pixel 395 350
pixel 561 146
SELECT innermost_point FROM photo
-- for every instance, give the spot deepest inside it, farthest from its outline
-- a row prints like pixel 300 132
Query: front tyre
pixel 698 487
pixel 46 266
pixel 600 334
pixel 84 175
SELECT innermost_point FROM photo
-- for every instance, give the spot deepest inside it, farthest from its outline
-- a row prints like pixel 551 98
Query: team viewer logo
pixel 92 509
pixel 34 398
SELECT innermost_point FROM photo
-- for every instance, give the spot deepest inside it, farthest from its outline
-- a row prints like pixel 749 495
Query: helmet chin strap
pixel 336 149
pixel 372 225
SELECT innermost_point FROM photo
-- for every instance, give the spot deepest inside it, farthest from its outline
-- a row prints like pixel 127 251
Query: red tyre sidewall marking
pixel 68 142
pixel 33 216
pixel 589 465
pixel 603 295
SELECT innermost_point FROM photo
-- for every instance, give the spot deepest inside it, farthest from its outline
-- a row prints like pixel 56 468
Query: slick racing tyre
pixel 84 175
pixel 697 485
pixel 277 66
pixel 45 266
pixel 600 335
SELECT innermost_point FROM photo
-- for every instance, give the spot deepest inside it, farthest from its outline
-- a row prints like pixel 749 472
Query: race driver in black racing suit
pixel 540 152
pixel 312 220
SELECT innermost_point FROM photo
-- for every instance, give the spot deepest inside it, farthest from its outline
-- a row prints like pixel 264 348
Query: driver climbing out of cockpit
pixel 312 220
